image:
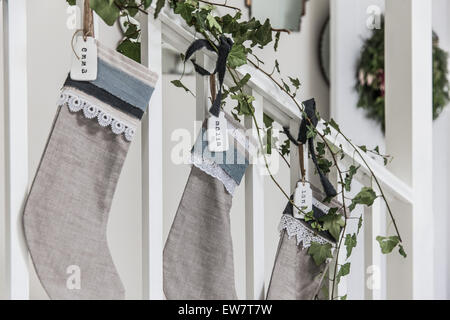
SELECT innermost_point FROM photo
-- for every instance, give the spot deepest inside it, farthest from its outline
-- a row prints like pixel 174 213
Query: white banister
pixel 152 165
pixel 254 213
pixel 408 59
pixel 15 63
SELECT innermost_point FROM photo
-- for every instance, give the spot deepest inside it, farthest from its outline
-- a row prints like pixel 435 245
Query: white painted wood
pixel 15 44
pixel 408 57
pixel 201 90
pixel 254 213
pixel 152 165
pixel 367 230
pixel 377 277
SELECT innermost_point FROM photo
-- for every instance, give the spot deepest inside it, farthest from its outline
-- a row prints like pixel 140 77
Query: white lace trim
pixel 91 111
pixel 295 228
pixel 214 170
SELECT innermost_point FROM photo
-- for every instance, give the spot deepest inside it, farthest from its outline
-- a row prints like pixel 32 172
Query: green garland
pixel 370 77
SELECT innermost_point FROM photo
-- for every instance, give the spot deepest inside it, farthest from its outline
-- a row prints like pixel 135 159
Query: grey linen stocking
pixel 67 210
pixel 295 275
pixel 198 255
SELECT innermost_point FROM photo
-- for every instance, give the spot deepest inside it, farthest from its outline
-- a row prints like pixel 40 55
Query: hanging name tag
pixel 302 199
pixel 84 63
pixel 217 133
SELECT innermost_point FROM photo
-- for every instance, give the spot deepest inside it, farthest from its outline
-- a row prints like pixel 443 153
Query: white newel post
pixel 15 62
pixel 408 54
pixel 152 165
pixel 254 213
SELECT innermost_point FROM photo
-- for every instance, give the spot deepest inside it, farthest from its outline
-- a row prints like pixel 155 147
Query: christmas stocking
pixel 295 275
pixel 198 255
pixel 66 213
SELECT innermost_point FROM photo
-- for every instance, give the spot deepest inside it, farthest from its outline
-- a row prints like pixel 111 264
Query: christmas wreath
pixel 370 83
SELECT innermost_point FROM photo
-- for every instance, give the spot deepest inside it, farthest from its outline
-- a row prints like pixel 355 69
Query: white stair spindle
pixel 152 165
pixel 254 213
pixel 15 63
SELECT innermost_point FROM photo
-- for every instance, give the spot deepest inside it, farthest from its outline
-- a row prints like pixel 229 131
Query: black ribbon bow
pixel 223 49
pixel 311 119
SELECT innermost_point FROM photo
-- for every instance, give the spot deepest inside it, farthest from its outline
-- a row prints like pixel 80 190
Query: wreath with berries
pixel 370 80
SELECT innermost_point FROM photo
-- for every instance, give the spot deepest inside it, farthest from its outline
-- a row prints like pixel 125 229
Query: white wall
pixel 47 69
pixel 348 29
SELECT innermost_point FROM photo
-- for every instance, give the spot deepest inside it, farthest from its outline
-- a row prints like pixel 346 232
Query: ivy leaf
pixel 132 31
pixel 349 177
pixel 130 49
pixel 237 56
pixel 285 86
pixel 320 252
pixel 343 271
pixel 311 132
pixel 277 40
pixel 244 106
pixel 106 10
pixel 285 147
pixel 366 196
pixel 213 24
pixel 72 2
pixel 320 148
pixel 350 243
pixel 277 66
pixel 235 116
pixel 360 221
pixel 324 165
pixel 334 125
pixel 263 34
pixel 363 148
pixel 147 3
pixel 241 83
pixel 295 82
pixel 333 223
pixel 159 5
pixel 326 130
pixel 179 84
pixel 344 297
pixel 268 121
pixel 387 244
pixel 185 9
pixel 401 250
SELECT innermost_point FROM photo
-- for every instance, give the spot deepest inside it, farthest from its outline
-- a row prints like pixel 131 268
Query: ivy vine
pixel 247 36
